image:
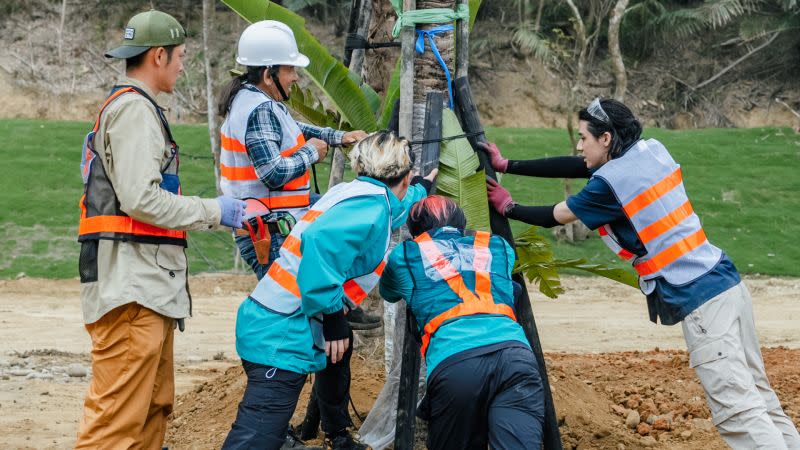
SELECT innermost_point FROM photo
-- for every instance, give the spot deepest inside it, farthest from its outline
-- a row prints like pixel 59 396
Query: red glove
pixel 499 197
pixel 499 163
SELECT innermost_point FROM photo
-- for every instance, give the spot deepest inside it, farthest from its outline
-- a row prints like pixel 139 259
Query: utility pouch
pixel 286 223
pixel 262 240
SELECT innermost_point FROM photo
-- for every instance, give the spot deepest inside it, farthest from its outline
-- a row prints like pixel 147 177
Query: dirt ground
pixel 605 360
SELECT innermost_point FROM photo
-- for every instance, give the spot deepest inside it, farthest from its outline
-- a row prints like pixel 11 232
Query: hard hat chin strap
pixel 273 73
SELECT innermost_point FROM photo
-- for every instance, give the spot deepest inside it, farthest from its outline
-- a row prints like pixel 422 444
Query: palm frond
pixel 529 40
pixel 681 23
pixel 459 178
pixel 721 12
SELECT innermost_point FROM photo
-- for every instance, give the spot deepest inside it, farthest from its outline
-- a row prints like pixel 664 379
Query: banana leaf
pixel 536 261
pixel 458 178
pixel 357 104
pixel 305 103
pixel 393 90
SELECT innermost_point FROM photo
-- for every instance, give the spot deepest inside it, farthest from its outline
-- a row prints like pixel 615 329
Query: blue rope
pixel 420 47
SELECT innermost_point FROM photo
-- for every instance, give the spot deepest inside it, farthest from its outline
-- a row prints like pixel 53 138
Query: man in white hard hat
pixel 265 159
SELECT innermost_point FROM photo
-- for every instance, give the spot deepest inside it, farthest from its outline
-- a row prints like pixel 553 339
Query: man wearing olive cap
pixel 132 232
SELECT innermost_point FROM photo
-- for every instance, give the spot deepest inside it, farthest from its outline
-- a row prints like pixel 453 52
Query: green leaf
pixel 332 77
pixel 536 262
pixel 306 104
pixel 619 275
pixel 458 178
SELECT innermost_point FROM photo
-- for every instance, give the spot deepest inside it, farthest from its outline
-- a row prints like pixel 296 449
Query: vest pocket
pixel 87 261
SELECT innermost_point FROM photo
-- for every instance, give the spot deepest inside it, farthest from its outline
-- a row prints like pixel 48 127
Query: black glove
pixel 427 184
pixel 335 326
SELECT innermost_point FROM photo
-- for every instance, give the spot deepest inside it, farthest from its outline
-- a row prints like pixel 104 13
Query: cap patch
pixel 129 32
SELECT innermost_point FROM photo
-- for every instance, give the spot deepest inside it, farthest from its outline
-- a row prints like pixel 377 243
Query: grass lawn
pixel 743 184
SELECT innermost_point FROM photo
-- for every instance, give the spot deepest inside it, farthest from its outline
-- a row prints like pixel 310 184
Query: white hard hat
pixel 269 43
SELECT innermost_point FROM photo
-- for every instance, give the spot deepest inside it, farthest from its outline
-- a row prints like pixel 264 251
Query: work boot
pixel 359 320
pixel 293 442
pixel 344 441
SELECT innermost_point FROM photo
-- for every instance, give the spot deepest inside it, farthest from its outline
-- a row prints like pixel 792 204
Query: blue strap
pixel 420 47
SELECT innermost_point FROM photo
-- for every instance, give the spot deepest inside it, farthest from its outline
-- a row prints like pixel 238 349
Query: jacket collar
pixel 128 81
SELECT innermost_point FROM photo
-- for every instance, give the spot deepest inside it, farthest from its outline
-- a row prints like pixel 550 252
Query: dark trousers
pixel 270 399
pixel 333 392
pixel 493 400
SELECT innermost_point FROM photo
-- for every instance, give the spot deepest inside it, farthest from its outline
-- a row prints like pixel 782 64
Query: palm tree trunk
pixel 380 63
pixel 429 76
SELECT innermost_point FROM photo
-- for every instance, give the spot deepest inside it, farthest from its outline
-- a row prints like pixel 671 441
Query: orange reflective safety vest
pixel 101 217
pixel 238 177
pixel 478 302
pixel 649 186
pixel 278 290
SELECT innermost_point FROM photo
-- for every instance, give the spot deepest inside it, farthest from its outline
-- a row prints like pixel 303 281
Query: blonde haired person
pixel 295 318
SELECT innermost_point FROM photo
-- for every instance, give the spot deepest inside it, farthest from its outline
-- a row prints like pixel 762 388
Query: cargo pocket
pixel 87 261
pixel 712 365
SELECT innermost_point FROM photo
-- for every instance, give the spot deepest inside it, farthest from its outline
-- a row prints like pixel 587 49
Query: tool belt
pixel 260 230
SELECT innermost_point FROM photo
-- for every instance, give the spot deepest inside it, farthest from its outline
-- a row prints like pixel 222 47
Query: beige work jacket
pixel 133 146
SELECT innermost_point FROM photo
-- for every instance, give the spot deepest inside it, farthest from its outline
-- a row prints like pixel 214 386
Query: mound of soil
pixel 625 400
pixel 203 416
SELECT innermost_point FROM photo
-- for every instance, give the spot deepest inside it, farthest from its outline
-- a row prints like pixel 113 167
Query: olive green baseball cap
pixel 147 30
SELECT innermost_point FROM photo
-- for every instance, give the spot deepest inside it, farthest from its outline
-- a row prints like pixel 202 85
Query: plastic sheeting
pixel 379 427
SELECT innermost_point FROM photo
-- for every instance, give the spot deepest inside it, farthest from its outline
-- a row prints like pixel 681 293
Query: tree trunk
pixel 61 31
pixel 618 66
pixel 429 76
pixel 575 231
pixel 380 64
pixel 537 24
pixel 213 136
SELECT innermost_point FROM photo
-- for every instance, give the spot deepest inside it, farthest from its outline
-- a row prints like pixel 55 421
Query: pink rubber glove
pixel 499 163
pixel 499 197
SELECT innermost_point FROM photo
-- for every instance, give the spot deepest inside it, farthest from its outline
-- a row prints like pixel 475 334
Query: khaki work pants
pixel 132 388
pixel 725 354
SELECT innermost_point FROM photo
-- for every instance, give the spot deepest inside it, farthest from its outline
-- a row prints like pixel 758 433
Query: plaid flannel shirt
pixel 263 138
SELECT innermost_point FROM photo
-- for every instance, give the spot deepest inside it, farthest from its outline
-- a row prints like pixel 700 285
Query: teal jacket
pixel 405 277
pixel 345 242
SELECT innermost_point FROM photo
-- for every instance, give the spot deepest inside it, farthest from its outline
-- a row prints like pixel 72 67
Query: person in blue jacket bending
pixel 294 320
pixel 483 383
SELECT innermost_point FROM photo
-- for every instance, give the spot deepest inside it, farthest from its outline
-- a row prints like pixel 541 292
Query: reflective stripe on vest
pixel 610 240
pixel 649 186
pixel 117 226
pixel 482 303
pixel 278 290
pixel 238 177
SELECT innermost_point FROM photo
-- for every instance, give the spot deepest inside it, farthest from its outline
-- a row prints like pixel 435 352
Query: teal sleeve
pixel 336 247
pixel 415 193
pixel 396 283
